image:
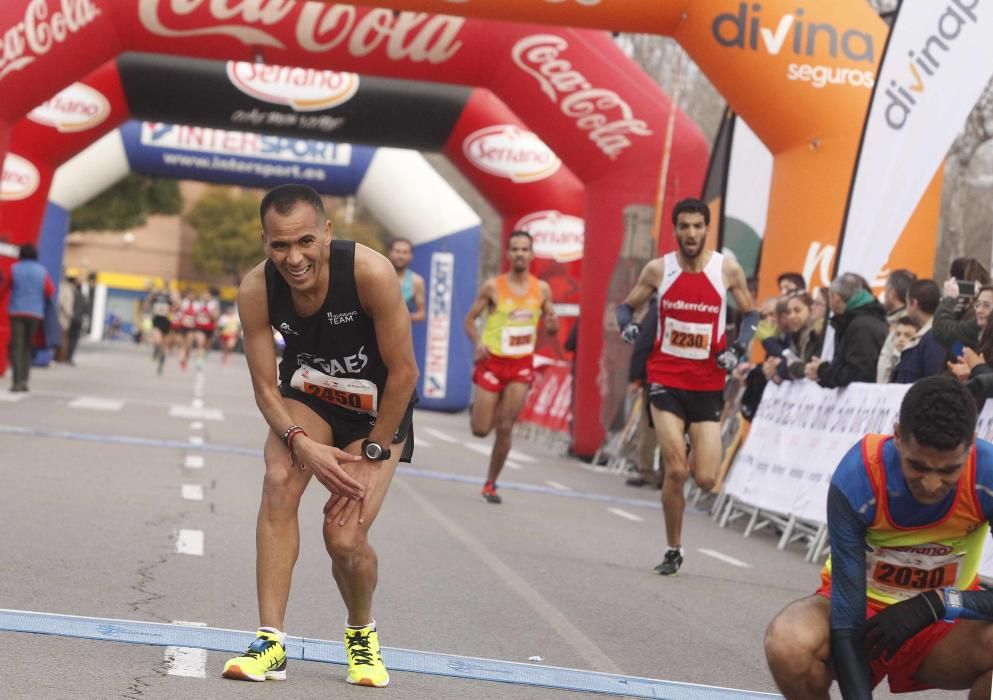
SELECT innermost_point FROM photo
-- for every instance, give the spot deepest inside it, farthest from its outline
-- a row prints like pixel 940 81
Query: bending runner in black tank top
pixel 341 411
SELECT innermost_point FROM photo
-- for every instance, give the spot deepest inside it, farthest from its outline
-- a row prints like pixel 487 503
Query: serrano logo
pixel 681 305
pixel 608 118
pixel 520 315
pixel 748 29
pixel 40 30
pixel 19 180
pixel 555 235
pixel 927 550
pixel 320 27
pixel 303 89
pixel 77 108
pixel 506 151
pixel 927 61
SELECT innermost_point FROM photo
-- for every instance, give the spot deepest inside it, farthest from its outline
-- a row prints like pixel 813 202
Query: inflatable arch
pixel 435 118
pixel 597 111
pixel 425 209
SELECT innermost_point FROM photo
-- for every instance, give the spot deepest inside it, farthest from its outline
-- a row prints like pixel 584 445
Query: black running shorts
pixel 349 426
pixel 691 406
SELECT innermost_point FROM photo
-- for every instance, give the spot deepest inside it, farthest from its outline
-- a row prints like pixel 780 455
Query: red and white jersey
pixel 692 327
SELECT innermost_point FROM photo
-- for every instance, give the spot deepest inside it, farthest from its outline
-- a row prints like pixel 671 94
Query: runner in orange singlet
pixel 514 303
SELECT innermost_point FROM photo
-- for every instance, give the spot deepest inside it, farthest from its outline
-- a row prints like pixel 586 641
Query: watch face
pixel 373 450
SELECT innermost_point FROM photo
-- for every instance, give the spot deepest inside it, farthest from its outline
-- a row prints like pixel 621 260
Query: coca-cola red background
pixel 583 97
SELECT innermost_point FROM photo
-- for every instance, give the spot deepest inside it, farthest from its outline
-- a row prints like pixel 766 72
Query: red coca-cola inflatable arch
pixel 591 104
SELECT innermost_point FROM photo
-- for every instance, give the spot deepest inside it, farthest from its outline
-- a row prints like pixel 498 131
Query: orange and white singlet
pixel 511 328
pixel 691 327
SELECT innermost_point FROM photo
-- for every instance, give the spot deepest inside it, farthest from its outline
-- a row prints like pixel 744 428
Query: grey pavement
pixel 91 528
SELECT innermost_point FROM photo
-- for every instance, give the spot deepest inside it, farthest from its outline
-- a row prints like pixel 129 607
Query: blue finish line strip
pixel 251 452
pixel 323 651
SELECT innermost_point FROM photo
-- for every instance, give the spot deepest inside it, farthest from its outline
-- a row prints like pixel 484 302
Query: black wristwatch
pixel 375 452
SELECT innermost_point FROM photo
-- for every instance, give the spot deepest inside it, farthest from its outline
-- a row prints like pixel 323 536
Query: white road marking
pixel 725 558
pixel 421 442
pixel 521 457
pixel 477 447
pixel 196 439
pixel 196 425
pixel 625 514
pixel 186 661
pixel 189 542
pixel 12 398
pixel 196 412
pixel 193 492
pixel 196 403
pixel 95 403
pixel 193 462
pixel 557 486
pixel 444 437
pixel 513 465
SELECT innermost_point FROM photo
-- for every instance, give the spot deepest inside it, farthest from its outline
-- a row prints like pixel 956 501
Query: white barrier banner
pixel 799 436
pixel 937 64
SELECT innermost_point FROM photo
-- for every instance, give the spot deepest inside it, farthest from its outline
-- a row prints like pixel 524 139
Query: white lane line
pixel 193 462
pixel 196 425
pixel 94 403
pixel 12 398
pixel 193 492
pixel 186 661
pixel 196 403
pixel 513 465
pixel 444 437
pixel 521 457
pixel 557 486
pixel 189 542
pixel 725 558
pixel 196 439
pixel 624 514
pixel 198 413
pixel 421 442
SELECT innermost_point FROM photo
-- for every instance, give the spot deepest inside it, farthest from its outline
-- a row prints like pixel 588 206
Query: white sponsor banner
pixel 749 179
pixel 799 436
pixel 440 288
pixel 937 64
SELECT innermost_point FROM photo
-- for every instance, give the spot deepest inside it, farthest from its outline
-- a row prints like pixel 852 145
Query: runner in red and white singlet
pixel 690 358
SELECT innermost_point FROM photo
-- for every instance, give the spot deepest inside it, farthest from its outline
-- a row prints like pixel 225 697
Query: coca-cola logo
pixel 554 235
pixel 77 108
pixel 40 30
pixel 584 3
pixel 303 89
pixel 603 113
pixel 506 151
pixel 320 27
pixel 19 179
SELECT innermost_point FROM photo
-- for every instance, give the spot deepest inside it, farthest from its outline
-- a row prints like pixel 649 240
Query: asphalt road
pixel 109 472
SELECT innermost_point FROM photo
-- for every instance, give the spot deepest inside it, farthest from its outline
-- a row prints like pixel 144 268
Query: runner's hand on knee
pixel 326 463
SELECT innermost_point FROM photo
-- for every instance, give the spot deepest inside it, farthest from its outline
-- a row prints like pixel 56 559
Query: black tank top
pixel 161 303
pixel 332 354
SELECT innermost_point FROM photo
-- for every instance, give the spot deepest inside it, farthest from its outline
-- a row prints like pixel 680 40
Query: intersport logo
pixel 19 180
pixel 554 235
pixel 749 29
pixel 320 27
pixel 77 108
pixel 507 151
pixel 303 89
pixel 607 117
pixel 926 61
pixel 40 30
